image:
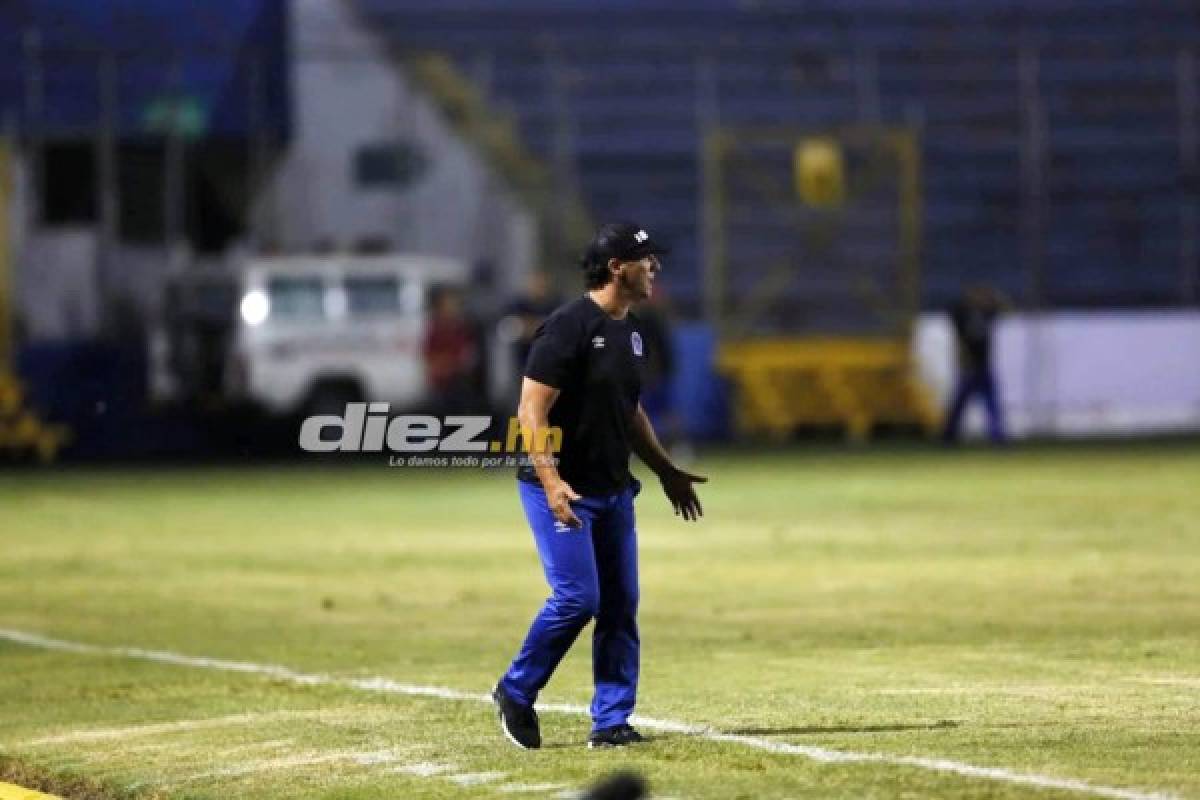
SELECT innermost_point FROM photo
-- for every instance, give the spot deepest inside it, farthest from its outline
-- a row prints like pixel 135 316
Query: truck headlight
pixel 255 307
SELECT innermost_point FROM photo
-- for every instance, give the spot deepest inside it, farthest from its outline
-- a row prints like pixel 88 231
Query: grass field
pixel 1034 612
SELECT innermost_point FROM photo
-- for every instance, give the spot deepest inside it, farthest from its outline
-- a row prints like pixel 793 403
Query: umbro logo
pixel 561 527
pixel 598 342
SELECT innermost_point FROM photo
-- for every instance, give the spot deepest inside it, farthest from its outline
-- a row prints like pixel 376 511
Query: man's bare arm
pixel 533 414
pixel 646 445
pixel 676 483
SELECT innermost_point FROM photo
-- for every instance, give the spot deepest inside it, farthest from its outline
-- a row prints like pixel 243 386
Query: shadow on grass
pixel 943 724
pixel 817 729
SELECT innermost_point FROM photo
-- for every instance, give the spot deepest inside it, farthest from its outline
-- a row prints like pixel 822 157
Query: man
pixel 451 353
pixel 657 397
pixel 583 376
pixel 974 317
pixel 528 310
pixel 520 322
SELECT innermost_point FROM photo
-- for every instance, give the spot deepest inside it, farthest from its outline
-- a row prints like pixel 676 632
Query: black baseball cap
pixel 624 241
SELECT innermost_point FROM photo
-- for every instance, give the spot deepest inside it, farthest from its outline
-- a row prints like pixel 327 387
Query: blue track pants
pixel 971 384
pixel 592 572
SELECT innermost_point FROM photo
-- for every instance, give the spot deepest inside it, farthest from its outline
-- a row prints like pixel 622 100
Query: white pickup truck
pixel 299 333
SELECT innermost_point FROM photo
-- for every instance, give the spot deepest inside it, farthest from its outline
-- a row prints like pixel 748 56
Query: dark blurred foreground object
pixel 974 317
pixel 621 786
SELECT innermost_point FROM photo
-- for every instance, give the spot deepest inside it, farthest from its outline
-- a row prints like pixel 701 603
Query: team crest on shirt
pixel 636 340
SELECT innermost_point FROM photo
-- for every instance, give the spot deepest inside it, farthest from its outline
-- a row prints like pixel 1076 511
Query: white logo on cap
pixel 641 236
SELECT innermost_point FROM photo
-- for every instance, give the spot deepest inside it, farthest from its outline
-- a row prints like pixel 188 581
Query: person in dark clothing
pixel 658 391
pixel 451 349
pixel 660 366
pixel 974 318
pixel 519 323
pixel 583 378
pixel 528 310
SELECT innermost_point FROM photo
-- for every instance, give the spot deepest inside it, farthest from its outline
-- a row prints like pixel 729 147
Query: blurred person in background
pixel 451 350
pixel 481 307
pixel 974 318
pixel 528 310
pixel 658 374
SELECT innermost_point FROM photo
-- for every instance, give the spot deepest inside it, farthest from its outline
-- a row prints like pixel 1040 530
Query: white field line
pixel 291 762
pixel 176 747
pixel 248 747
pixel 522 788
pixel 1191 683
pixel 388 686
pixel 475 778
pixel 424 769
pixel 1020 690
pixel 179 726
pixel 145 747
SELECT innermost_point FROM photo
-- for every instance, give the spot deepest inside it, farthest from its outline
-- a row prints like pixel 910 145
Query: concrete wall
pixel 348 92
pixel 56 285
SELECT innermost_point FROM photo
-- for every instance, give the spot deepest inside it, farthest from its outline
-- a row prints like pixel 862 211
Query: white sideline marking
pixel 270 744
pixel 475 778
pixel 153 729
pixel 518 788
pixel 1193 683
pixel 380 757
pixel 1028 690
pixel 291 762
pixel 424 769
pixel 819 754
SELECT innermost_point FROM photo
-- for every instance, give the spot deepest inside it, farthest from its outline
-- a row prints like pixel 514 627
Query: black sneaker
pixel 616 736
pixel 519 722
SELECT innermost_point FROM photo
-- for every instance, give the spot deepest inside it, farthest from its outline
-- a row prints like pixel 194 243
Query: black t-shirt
pixel 595 362
pixel 973 326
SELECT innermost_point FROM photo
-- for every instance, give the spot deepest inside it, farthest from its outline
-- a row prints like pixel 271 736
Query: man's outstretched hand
pixel 677 485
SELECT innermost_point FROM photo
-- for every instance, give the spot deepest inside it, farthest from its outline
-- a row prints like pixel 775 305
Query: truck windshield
pixel 373 294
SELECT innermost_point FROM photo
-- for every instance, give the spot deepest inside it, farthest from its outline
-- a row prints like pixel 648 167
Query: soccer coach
pixel 583 376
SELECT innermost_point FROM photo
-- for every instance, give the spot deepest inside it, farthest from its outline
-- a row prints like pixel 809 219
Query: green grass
pixel 1033 610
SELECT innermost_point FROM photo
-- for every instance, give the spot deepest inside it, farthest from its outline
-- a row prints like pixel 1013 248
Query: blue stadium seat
pixel 1107 81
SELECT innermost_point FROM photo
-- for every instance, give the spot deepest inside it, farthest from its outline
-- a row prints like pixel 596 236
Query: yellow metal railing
pixel 788 379
pixel 857 384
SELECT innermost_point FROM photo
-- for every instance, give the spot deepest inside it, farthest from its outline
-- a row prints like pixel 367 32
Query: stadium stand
pixel 616 89
pixel 226 56
pixel 630 91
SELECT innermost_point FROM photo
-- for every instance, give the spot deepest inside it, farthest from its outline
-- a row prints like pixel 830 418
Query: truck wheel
pixel 331 398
